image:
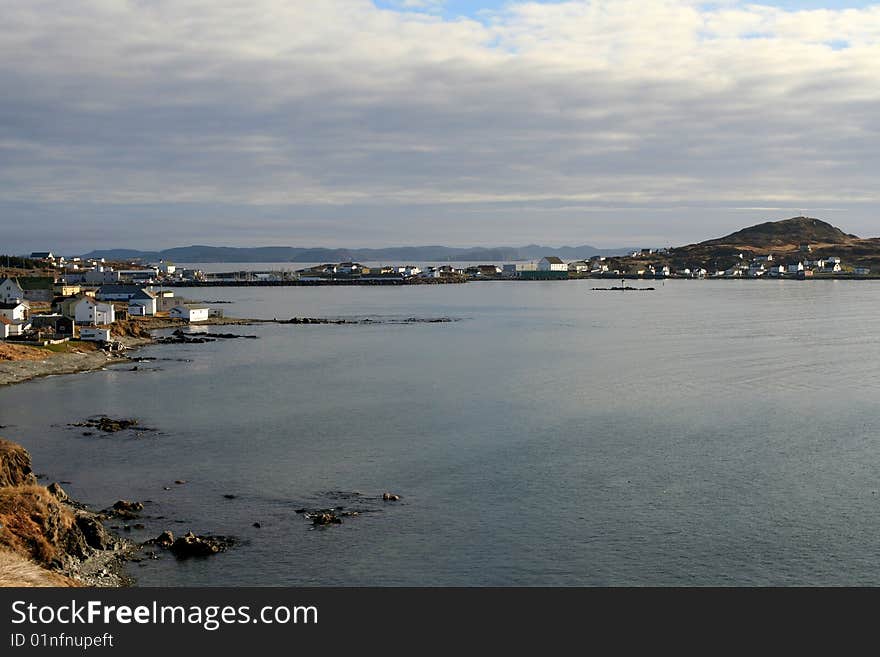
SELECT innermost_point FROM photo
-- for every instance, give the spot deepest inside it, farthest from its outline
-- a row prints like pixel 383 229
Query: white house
pixel 552 263
pixel 9 327
pixel 145 300
pixel 579 266
pixel 11 291
pixel 95 334
pixel 89 311
pixel 831 266
pixel 15 311
pixel 189 313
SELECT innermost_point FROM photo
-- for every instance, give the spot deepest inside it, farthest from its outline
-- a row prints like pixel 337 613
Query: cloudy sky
pixel 157 123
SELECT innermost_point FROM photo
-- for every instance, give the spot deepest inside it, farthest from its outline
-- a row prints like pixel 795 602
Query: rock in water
pixel 326 518
pixel 164 540
pixel 125 505
pixel 190 545
pixel 390 497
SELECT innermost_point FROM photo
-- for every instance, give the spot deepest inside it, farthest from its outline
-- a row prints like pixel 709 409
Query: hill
pixel 787 240
pixel 785 233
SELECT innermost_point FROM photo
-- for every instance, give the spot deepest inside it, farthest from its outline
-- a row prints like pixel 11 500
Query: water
pixel 710 432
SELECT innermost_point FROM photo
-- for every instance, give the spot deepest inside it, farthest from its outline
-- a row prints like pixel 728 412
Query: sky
pixel 157 123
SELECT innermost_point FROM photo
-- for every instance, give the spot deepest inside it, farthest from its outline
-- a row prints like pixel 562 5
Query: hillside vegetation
pixel 787 240
pixel 786 234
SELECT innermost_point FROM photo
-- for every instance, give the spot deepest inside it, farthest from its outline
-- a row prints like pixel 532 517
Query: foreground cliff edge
pixel 47 539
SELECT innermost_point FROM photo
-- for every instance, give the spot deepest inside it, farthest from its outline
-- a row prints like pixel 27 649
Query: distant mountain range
pixel 401 254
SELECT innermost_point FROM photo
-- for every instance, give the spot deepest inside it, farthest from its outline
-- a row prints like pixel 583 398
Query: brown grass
pixel 33 522
pixel 16 570
pixel 15 465
pixel 10 351
pixel 134 328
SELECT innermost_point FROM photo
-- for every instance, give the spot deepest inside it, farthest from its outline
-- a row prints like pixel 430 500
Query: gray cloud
pixel 336 123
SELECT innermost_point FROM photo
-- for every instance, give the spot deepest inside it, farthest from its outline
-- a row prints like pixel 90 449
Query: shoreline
pixel 136 333
pixel 55 364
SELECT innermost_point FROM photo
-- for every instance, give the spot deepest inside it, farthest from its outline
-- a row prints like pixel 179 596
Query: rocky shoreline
pixel 18 371
pixel 48 539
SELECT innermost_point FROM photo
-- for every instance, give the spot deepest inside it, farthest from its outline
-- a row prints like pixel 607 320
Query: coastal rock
pixel 94 533
pixel 324 518
pixel 390 497
pixel 59 493
pixel 179 337
pixel 163 540
pixel 124 509
pixel 106 424
pixel 190 545
pixel 125 505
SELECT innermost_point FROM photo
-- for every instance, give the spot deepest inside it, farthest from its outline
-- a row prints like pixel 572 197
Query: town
pixel 60 298
pixel 87 300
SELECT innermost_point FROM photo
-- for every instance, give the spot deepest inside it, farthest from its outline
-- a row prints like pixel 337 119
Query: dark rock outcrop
pixel 163 540
pixel 107 425
pixel 124 509
pixel 191 545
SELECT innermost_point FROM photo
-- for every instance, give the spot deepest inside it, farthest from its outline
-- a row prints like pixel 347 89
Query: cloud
pixel 340 104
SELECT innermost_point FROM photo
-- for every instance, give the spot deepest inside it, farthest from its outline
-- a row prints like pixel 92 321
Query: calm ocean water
pixel 705 433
